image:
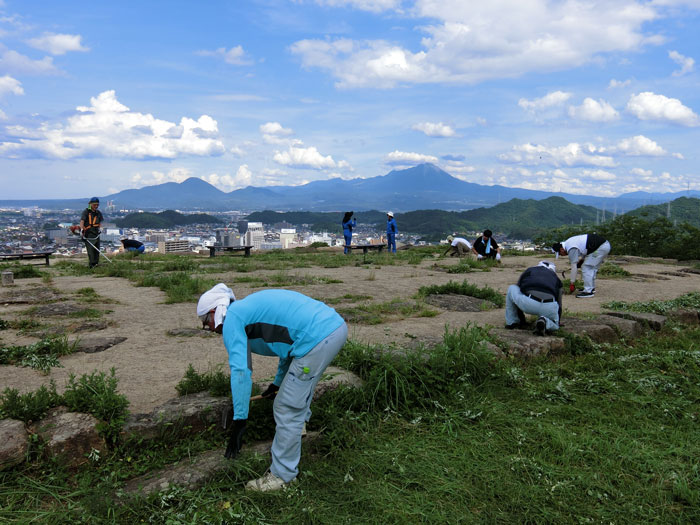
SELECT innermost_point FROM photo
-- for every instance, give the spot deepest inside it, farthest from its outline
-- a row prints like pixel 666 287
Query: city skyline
pixel 596 98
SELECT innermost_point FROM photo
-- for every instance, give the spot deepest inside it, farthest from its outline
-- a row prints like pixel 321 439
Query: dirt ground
pixel 150 362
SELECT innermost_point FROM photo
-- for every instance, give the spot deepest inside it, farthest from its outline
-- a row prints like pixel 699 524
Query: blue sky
pixel 595 97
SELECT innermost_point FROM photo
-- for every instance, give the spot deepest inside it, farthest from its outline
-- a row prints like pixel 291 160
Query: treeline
pixel 638 235
pixel 683 209
pixel 164 219
pixel 516 218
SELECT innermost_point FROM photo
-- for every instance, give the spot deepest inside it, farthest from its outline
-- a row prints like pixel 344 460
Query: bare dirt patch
pixel 150 362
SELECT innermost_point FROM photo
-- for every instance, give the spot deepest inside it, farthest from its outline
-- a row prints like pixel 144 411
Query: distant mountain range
pixel 422 187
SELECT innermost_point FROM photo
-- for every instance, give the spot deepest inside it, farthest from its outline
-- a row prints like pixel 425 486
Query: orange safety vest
pixel 92 219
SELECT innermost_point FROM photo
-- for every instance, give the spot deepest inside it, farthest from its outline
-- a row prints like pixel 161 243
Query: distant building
pixel 58 235
pixel 255 236
pixel 173 246
pixel 287 237
pixel 229 237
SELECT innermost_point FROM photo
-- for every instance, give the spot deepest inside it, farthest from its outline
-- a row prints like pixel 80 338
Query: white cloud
pixel 227 183
pixel 637 146
pixel 572 154
pixel 687 64
pixel 275 128
pixel 618 83
pixel 108 128
pixel 374 6
pixel 599 175
pixel 235 56
pixel 3 116
pixel 275 133
pixel 650 106
pixel 404 158
pixel 152 178
pixel 553 99
pixel 309 157
pixel 13 62
pixel 58 44
pixel 435 129
pixel 10 85
pixel 594 111
pixel 471 42
pixel 640 172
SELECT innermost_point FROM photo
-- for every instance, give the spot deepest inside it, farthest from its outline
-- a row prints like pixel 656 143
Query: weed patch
pixel 22 271
pixel 42 355
pixel 31 406
pixel 612 270
pixel 464 288
pixel 690 300
pixel 377 313
pixel 216 382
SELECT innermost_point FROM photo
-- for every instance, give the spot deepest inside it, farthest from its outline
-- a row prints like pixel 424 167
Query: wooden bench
pixel 30 255
pixel 366 247
pixel 214 249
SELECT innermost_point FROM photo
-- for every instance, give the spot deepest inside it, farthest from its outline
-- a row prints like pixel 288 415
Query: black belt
pixel 541 300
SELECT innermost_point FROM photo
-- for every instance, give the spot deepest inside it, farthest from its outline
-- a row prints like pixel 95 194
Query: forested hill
pixel 516 218
pixel 683 209
pixel 164 219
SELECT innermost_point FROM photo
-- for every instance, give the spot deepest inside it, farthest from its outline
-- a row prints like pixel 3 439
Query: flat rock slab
pixel 193 473
pixel 653 321
pixel 598 332
pixel 194 412
pixel 685 316
pixel 524 344
pixel 13 443
pixel 627 328
pixel 87 326
pixel 29 296
pixel 54 309
pixel 98 344
pixel 72 436
pixel 191 332
pixel 459 303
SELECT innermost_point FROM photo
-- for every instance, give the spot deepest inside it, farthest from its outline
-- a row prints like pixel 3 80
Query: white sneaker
pixel 267 483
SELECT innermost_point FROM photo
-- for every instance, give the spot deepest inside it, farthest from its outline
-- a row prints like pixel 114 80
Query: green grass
pixel 377 313
pixel 468 265
pixel 347 298
pixel 612 270
pixel 690 300
pixel 22 271
pixel 445 437
pixel 42 355
pixel 464 288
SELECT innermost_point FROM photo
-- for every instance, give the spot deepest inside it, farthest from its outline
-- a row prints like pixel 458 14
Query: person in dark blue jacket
pixel 348 224
pixel 306 335
pixel 539 291
pixel 391 231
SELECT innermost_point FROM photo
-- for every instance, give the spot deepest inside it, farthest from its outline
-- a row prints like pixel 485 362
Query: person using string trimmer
pixel 90 222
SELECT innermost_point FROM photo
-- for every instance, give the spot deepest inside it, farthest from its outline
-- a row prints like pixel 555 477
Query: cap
pixel 390 213
pixel 548 265
pixel 450 238
pixel 94 199
pixel 556 247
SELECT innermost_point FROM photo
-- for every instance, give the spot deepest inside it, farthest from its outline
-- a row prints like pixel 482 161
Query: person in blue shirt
pixel 306 335
pixel 391 231
pixel 348 224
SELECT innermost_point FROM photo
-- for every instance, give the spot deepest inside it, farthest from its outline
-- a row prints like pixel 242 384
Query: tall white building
pixel 287 237
pixel 255 236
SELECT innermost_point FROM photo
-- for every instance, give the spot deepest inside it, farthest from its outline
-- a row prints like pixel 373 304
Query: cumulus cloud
pixel 13 62
pixel 599 175
pixel 550 100
pixel 687 64
pixel 594 111
pixel 374 6
pixel 572 154
pixel 235 56
pixel 435 129
pixel 641 172
pixel 637 146
pixel 471 42
pixel 152 178
pixel 650 106
pixel 618 83
pixel 296 157
pixel 58 44
pixel 10 85
pixel 108 128
pixel 275 133
pixel 404 158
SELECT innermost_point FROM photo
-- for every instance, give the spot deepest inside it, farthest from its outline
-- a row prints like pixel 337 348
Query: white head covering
pixel 390 213
pixel 548 265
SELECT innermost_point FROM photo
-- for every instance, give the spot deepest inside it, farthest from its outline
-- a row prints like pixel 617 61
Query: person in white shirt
pixel 459 246
pixel 587 252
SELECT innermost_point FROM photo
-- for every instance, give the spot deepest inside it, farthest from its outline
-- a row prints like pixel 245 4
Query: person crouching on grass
pixel 305 335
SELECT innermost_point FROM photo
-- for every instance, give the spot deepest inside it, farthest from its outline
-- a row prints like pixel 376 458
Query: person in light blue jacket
pixel 391 231
pixel 348 224
pixel 306 335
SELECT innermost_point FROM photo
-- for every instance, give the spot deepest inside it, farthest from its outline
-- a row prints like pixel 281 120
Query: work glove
pixel 479 257
pixel 271 391
pixel 572 288
pixel 235 438
pixel 498 256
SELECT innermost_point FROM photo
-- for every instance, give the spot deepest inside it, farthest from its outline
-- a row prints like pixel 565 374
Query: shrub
pixel 31 406
pixel 42 355
pixel 22 271
pixel 216 382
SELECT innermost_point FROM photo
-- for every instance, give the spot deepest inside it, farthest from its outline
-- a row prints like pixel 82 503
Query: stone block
pixel 653 321
pixel 685 316
pixel 524 344
pixel 597 331
pixel 97 344
pixel 13 443
pixel 71 436
pixel 627 328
